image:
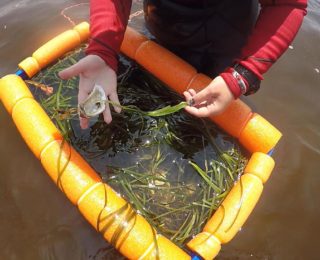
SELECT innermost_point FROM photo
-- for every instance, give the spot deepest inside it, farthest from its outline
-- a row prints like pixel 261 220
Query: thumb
pixel 72 71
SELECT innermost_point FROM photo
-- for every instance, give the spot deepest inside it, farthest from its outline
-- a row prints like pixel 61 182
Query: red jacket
pixel 276 27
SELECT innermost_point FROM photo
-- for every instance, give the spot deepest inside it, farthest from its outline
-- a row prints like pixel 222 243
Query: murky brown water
pixel 38 222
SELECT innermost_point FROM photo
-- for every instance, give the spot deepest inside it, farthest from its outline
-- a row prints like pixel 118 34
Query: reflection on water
pixel 37 221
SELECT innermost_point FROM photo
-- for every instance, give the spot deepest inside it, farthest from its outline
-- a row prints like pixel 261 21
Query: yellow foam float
pixel 110 214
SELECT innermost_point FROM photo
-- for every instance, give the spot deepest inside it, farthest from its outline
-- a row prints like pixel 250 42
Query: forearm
pixel 276 27
pixel 108 21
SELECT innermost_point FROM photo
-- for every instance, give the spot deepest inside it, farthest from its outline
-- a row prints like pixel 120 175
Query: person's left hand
pixel 212 100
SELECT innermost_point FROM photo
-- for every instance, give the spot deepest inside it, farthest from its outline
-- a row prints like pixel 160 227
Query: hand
pixel 93 70
pixel 212 100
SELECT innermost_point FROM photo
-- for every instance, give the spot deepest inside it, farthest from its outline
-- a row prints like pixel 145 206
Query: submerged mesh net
pixel 175 170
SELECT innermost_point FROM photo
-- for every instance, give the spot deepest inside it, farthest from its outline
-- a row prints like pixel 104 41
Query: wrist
pixel 235 82
pixel 241 81
pixel 109 58
pixel 253 82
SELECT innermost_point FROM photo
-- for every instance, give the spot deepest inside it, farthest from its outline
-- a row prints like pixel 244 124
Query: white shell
pixel 94 104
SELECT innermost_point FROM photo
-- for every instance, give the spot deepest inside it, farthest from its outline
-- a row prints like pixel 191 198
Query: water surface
pixel 38 222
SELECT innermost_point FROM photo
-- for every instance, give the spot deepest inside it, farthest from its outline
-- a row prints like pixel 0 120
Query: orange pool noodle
pixel 34 125
pixel 259 135
pixel 69 171
pixel 98 204
pixel 199 82
pixel 167 67
pixel 261 165
pixel 166 250
pixel 234 118
pixel 131 42
pixel 56 47
pixel 135 240
pixel 30 66
pixel 235 209
pixel 83 31
pixel 13 89
pixel 110 214
pixel 206 245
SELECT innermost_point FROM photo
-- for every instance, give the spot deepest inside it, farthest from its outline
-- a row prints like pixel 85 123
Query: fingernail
pixel 191 102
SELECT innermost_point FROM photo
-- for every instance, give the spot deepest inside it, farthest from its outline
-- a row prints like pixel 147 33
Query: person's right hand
pixel 93 70
pixel 212 100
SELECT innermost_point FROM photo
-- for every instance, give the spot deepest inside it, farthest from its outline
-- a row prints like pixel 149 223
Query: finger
pixel 107 114
pixel 82 95
pixel 114 98
pixel 187 96
pixel 84 122
pixel 203 96
pixel 199 112
pixel 72 71
pixel 192 92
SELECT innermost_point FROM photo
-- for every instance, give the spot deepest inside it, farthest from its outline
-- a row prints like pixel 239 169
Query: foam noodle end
pixel 13 89
pixel 83 31
pixel 261 165
pixel 205 245
pixel 259 135
pixel 30 66
pixel 131 42
pixel 235 209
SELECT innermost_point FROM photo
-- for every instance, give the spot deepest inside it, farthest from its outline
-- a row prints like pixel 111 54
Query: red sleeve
pixel 276 27
pixel 108 21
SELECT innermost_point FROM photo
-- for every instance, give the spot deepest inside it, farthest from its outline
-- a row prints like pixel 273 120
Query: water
pixel 38 222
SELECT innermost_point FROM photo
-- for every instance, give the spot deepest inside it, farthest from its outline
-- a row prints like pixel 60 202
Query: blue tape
pixel 22 74
pixel 271 152
pixel 195 256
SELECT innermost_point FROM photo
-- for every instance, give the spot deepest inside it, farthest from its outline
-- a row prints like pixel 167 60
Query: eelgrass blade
pixel 167 110
pixel 204 175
